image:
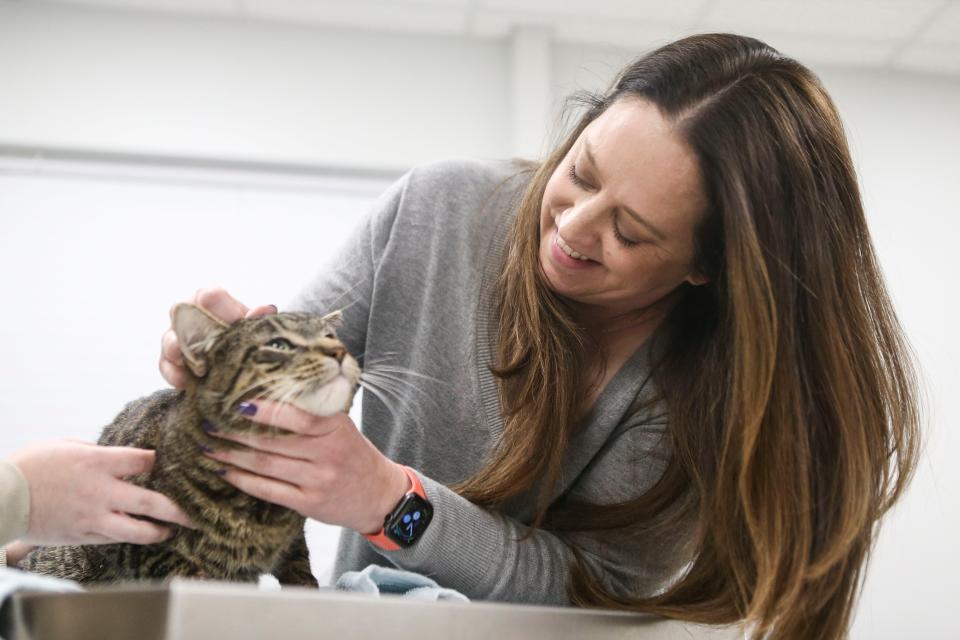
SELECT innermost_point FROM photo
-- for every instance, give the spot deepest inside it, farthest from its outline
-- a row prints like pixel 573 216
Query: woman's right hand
pixel 219 303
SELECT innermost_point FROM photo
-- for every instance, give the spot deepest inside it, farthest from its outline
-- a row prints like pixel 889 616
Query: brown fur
pixel 238 537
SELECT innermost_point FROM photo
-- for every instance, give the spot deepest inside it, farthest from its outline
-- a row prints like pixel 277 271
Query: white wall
pixel 111 255
pixel 904 132
pixel 159 84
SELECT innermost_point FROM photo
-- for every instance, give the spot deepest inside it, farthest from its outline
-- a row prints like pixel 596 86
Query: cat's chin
pixel 327 400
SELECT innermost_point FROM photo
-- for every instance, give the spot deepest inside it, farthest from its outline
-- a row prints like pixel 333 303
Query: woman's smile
pixel 565 256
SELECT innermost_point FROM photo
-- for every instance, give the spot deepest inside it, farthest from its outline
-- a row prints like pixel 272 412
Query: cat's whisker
pixel 393 395
pixel 344 309
pixel 384 398
pixel 383 356
pixel 395 379
pixel 397 384
pixel 396 369
pixel 399 388
pixel 336 301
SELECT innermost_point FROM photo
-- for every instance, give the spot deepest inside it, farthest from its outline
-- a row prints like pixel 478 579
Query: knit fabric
pixel 417 282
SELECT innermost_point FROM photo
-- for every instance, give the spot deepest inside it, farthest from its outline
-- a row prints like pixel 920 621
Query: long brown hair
pixel 793 403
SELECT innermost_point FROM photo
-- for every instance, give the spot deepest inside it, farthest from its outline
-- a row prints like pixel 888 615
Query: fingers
pixel 122 528
pixel 288 417
pixel 292 446
pixel 171 360
pixel 123 462
pixel 269 465
pixel 275 491
pixel 170 347
pixel 175 376
pixel 218 302
pixel 221 304
pixel 93 538
pixel 16 551
pixel 143 502
pixel 262 310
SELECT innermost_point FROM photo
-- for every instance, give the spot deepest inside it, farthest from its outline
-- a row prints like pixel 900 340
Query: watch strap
pixel 380 538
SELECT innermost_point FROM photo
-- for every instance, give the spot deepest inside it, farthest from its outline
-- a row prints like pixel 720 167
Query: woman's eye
pixel 280 343
pixel 576 179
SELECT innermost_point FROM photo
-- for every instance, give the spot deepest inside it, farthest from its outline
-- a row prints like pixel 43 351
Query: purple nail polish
pixel 204 449
pixel 247 408
pixel 208 426
pixel 220 472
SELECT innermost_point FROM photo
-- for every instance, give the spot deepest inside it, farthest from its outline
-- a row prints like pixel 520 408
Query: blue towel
pixel 376 580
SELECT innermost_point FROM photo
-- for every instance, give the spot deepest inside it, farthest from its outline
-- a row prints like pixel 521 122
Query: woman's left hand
pixel 326 470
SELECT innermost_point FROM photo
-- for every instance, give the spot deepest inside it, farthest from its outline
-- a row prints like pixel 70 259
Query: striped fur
pixel 288 357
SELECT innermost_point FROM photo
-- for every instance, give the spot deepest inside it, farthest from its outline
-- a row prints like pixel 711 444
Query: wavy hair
pixel 793 404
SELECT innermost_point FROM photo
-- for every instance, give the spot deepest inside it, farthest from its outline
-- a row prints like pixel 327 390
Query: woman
pixel 657 372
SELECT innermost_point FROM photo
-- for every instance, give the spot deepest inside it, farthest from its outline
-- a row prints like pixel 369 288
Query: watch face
pixel 409 520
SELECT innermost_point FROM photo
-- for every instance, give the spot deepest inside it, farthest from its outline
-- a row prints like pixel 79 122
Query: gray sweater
pixel 417 283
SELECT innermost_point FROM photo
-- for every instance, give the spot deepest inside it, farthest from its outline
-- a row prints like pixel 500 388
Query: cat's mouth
pixel 325 399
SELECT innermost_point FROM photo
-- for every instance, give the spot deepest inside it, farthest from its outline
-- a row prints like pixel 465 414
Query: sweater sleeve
pixel 14 503
pixel 485 555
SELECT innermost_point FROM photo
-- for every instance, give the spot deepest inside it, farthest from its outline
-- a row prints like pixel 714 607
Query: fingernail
pixel 204 449
pixel 208 426
pixel 274 307
pixel 220 472
pixel 247 408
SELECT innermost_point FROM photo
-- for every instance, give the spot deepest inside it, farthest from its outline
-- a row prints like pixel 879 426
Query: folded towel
pixel 376 580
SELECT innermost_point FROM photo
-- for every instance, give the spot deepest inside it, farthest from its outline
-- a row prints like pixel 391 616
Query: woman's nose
pixel 581 222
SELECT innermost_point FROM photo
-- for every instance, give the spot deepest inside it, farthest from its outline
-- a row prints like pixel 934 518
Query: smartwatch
pixel 407 521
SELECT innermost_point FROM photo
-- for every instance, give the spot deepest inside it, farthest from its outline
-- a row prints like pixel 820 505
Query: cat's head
pixel 290 357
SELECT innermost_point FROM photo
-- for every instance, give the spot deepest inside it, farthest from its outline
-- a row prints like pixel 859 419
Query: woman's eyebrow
pixel 633 214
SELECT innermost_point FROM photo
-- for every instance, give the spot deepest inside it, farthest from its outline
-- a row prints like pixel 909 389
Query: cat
pixel 290 357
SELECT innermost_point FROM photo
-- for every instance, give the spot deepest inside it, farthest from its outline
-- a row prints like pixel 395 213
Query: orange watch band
pixel 380 538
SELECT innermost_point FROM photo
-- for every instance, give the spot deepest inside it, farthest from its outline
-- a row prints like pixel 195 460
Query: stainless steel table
pixel 196 610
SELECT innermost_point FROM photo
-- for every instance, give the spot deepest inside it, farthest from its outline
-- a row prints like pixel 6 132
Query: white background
pixel 144 155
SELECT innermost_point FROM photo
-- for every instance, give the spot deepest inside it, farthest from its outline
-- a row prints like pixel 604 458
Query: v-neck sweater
pixel 417 282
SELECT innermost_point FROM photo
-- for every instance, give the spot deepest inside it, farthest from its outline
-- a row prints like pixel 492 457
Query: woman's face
pixel 626 199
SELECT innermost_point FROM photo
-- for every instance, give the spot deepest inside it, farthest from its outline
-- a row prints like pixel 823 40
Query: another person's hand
pixel 326 470
pixel 78 495
pixel 219 303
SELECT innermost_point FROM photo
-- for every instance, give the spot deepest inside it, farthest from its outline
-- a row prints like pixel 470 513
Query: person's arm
pixel 328 471
pixel 485 555
pixel 76 494
pixel 14 504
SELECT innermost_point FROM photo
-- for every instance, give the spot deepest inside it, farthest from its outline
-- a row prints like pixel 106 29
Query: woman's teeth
pixel 570 252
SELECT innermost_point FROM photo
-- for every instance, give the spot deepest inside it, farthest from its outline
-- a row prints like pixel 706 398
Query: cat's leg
pixel 84 563
pixel 294 565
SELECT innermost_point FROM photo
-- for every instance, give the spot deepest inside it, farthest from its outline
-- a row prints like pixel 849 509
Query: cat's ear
pixel 334 319
pixel 196 331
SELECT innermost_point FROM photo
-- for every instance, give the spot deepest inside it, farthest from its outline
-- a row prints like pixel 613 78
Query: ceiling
pixel 912 35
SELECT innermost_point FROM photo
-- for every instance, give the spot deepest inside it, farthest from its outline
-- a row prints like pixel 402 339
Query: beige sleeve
pixel 14 503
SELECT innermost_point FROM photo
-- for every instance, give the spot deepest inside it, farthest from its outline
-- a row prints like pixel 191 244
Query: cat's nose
pixel 337 353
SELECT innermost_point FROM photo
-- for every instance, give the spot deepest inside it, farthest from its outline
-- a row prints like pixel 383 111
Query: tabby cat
pixel 290 357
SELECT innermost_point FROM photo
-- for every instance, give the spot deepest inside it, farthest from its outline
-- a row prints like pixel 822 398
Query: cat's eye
pixel 280 343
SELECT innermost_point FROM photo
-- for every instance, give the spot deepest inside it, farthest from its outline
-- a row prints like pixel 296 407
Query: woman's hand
pixel 326 469
pixel 219 303
pixel 78 495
